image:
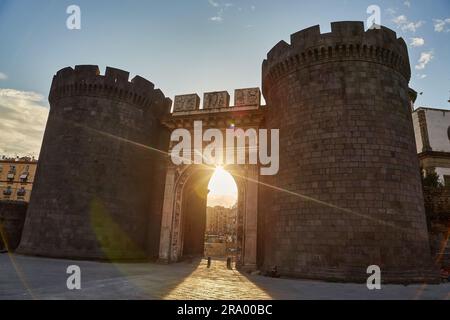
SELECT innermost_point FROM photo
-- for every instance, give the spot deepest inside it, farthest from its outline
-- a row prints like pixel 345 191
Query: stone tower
pixel 99 185
pixel 347 158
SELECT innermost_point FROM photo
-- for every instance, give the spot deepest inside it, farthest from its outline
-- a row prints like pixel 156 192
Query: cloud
pixel 407 3
pixel 253 8
pixel 23 117
pixel 417 42
pixel 216 19
pixel 219 16
pixel 214 3
pixel 421 76
pixel 400 20
pixel 391 11
pixel 221 7
pixel 440 25
pixel 403 23
pixel 3 76
pixel 425 58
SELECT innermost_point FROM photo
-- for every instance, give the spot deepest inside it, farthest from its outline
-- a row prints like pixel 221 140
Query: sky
pixel 222 188
pixel 187 47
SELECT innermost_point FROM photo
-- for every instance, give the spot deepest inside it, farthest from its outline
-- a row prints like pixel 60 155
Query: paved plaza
pixel 23 277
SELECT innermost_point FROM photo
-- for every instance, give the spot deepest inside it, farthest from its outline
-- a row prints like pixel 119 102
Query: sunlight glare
pixel 222 188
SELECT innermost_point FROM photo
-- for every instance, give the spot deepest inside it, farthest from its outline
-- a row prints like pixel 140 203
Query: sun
pixel 222 189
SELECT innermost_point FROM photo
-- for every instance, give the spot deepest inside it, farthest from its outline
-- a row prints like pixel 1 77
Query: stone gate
pixel 176 235
pixel 347 195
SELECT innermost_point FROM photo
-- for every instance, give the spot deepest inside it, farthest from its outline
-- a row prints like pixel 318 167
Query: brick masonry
pixel 341 102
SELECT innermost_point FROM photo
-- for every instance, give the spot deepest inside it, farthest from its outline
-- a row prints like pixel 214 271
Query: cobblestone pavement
pixel 41 278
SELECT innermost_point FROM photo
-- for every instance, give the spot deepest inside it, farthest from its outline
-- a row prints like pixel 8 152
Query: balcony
pixel 7 193
pixel 21 192
pixel 24 177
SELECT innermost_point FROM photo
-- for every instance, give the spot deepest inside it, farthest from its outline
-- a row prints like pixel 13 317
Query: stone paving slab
pixel 23 277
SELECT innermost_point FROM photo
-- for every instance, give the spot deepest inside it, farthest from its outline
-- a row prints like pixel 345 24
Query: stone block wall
pixel 347 158
pixel 437 206
pixel 99 172
pixel 12 218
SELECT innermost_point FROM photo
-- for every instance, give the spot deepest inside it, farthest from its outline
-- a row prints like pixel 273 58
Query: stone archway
pixel 216 114
pixel 172 233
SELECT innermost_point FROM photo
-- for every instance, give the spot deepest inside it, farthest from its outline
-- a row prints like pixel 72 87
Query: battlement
pixel 249 97
pixel 115 84
pixel 347 41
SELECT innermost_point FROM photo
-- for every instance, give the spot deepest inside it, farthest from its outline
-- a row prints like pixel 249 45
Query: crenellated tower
pixel 347 158
pixel 99 187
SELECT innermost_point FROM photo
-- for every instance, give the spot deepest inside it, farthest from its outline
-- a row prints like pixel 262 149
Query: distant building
pixel 220 235
pixel 16 178
pixel 432 132
pixel 221 221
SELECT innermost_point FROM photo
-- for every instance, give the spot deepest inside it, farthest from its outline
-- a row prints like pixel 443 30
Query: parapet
pixel 216 100
pixel 247 97
pixel 186 102
pixel 86 80
pixel 346 41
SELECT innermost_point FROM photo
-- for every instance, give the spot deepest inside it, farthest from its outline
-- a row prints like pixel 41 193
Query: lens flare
pixel 222 188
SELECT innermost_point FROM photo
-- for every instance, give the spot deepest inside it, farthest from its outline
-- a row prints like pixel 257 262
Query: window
pixel 448 133
pixel 10 176
pixel 1 167
pixel 12 169
pixel 21 192
pixel 24 177
pixel 7 191
pixel 447 181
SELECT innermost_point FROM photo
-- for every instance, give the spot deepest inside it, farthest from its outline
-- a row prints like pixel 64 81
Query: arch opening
pixel 183 224
pixel 221 216
pixel 209 216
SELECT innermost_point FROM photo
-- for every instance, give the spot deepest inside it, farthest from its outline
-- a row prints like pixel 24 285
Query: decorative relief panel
pixel 250 97
pixel 215 100
pixel 186 102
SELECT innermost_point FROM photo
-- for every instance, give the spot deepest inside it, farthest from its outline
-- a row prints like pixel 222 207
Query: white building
pixel 432 131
